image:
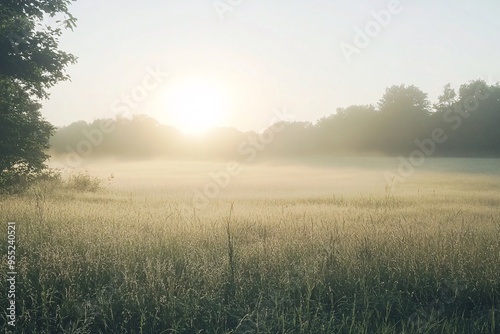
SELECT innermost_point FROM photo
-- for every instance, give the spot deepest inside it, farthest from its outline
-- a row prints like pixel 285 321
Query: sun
pixel 194 105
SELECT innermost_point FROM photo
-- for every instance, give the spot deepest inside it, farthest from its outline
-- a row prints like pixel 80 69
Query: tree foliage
pixel 403 116
pixel 30 64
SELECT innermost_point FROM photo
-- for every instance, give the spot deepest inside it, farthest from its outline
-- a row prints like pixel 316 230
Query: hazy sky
pixel 249 57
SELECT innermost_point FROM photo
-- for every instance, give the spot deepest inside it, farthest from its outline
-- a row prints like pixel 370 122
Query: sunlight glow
pixel 195 105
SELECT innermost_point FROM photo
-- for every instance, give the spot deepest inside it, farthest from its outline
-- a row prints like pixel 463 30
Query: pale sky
pixel 262 55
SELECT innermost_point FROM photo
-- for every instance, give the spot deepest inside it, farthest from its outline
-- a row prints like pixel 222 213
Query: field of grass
pixel 303 249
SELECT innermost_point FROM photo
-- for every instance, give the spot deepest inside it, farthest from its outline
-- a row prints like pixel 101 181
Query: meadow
pixel 322 247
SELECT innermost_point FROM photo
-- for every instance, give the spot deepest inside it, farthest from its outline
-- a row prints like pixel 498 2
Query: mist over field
pixel 318 176
pixel 278 247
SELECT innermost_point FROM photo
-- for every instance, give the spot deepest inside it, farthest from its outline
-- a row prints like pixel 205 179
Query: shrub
pixel 12 182
pixel 83 181
pixel 49 180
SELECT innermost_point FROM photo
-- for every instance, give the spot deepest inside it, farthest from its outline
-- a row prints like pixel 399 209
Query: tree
pixel 446 100
pixel 404 112
pixel 478 133
pixel 30 64
pixel 351 129
pixel 289 138
pixel 402 99
pixel 357 127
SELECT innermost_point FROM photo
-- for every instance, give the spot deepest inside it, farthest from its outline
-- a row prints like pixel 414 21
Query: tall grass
pixel 120 262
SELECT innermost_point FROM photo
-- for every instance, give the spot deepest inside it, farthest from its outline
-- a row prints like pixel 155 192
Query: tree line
pixel 463 123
